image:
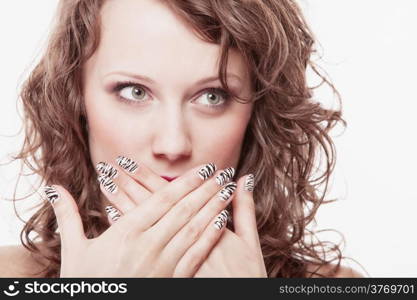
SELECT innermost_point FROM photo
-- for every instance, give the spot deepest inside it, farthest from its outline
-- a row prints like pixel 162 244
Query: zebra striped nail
pixel 107 169
pixel 51 194
pixel 221 219
pixel 249 183
pixel 206 171
pixel 113 213
pixel 127 164
pixel 107 183
pixel 225 176
pixel 227 191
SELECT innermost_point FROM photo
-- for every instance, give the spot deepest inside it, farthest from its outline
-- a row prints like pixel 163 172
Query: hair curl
pixel 286 134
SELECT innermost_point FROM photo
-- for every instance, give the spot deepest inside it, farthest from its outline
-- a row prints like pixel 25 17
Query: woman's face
pixel 163 114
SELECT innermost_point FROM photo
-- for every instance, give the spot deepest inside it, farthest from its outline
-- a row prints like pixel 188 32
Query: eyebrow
pixel 150 80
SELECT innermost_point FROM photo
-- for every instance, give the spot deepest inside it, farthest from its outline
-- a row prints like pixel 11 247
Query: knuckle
pixel 163 197
pixel 151 241
pixel 141 174
pixel 129 235
pixel 186 208
pixel 191 180
pixel 127 228
pixel 189 265
pixel 147 238
pixel 129 185
pixel 62 207
pixel 67 216
pixel 210 237
pixel 249 203
pixel 144 174
pixel 193 261
pixel 166 259
pixel 191 232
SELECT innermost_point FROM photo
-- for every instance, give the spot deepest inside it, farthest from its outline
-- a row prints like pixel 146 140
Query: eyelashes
pixel 119 86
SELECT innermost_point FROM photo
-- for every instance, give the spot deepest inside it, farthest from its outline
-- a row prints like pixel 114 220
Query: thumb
pixel 244 217
pixel 67 215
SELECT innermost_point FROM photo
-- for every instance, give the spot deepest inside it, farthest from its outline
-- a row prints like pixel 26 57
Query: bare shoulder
pixel 328 270
pixel 17 261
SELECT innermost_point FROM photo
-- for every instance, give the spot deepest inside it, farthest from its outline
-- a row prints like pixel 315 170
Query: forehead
pixel 146 35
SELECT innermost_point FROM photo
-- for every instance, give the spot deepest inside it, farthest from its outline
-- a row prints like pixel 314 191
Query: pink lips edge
pixel 167 178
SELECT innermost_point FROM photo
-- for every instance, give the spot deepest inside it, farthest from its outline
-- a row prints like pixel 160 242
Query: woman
pixel 119 124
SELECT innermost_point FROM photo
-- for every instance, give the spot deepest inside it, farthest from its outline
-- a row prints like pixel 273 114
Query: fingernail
pixel 206 171
pixel 249 183
pixel 51 194
pixel 107 183
pixel 127 164
pixel 225 176
pixel 107 169
pixel 227 191
pixel 221 219
pixel 113 212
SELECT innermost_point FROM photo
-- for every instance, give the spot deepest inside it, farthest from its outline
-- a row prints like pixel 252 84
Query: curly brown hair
pixel 286 134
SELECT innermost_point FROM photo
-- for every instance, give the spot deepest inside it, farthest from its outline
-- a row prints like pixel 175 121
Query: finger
pixel 113 214
pixel 199 251
pixel 107 169
pixel 143 217
pixel 67 215
pixel 184 210
pixel 141 173
pixel 244 212
pixel 115 195
pixel 192 231
pixel 134 190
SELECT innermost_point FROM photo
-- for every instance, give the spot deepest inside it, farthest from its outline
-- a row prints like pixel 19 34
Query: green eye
pixel 213 98
pixel 136 92
pixel 131 93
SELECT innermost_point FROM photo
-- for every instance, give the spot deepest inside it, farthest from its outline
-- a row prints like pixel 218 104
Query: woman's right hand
pixel 148 241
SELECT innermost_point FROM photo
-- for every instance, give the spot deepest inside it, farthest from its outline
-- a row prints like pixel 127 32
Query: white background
pixel 369 51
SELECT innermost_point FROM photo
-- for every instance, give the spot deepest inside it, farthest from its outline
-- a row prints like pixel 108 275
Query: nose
pixel 171 139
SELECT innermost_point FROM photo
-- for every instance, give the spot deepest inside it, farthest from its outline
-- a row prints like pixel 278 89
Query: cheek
pixel 111 132
pixel 221 141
